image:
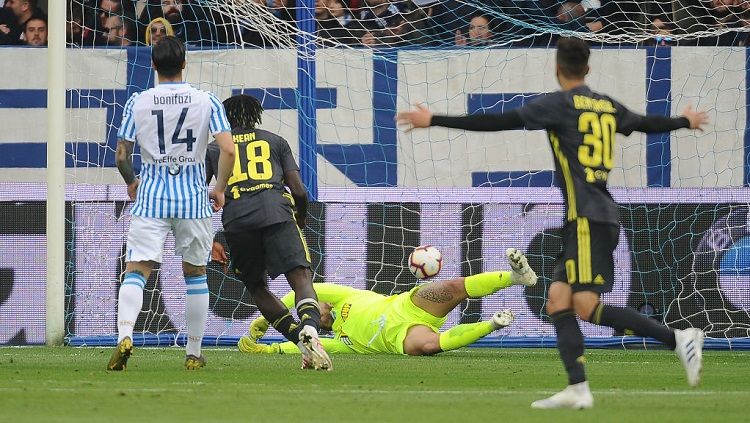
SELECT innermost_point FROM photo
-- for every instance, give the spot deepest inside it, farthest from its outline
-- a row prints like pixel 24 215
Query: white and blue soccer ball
pixel 425 262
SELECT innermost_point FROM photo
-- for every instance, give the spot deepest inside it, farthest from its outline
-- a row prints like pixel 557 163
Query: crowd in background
pixel 373 23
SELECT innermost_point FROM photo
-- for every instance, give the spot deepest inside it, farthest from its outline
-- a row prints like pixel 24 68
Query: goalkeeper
pixel 366 322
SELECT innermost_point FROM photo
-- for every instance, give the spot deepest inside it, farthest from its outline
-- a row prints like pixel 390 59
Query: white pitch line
pixel 399 392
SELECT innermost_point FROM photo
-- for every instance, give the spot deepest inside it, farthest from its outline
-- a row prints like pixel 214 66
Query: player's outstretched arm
pixel 421 117
pixel 691 118
pixel 123 159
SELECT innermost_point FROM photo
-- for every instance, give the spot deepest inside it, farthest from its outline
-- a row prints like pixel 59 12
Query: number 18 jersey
pixel 171 124
pixel 256 197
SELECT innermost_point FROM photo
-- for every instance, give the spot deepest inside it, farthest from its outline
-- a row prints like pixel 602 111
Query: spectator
pixel 35 32
pixel 613 17
pixel 340 12
pixel 334 22
pixel 9 33
pixel 74 26
pixel 446 18
pixel 571 16
pixel 729 15
pixel 104 10
pixel 119 31
pixel 284 9
pixel 190 22
pixel 157 29
pixel 234 30
pixel 393 24
pixel 382 14
pixel 24 11
pixel 662 32
pixel 107 8
pixel 479 33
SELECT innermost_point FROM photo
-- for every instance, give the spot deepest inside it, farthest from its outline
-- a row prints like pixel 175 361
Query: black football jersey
pixel 581 127
pixel 255 191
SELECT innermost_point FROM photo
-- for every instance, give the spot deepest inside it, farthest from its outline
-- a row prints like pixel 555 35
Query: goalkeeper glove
pixel 258 328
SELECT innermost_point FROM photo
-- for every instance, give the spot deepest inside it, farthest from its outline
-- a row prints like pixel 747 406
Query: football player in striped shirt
pixel 171 124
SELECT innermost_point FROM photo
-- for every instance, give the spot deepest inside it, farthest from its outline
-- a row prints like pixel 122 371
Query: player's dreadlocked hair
pixel 243 111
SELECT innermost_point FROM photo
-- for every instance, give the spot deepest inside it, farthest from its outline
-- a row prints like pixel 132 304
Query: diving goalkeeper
pixel 366 322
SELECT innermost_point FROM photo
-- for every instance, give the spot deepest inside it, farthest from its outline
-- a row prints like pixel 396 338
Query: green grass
pixel 471 385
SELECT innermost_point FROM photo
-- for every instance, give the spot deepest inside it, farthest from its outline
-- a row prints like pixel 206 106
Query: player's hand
pixel 4 29
pixel 219 255
pixel 218 199
pixel 258 328
pixel 419 118
pixel 697 118
pixel 133 189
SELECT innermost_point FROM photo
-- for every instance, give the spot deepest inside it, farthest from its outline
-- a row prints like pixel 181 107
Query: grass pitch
pixel 471 385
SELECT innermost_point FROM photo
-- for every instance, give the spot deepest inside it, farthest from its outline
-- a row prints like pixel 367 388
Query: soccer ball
pixel 425 261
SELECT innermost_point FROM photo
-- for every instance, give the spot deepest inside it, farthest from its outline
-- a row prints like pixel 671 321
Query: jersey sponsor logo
pixel 175 159
pixel 345 311
pixel 237 190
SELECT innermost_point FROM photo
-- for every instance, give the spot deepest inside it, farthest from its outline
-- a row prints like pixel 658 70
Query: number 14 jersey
pixel 171 124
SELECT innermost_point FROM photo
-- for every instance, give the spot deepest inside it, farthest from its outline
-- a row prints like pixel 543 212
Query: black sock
pixel 308 312
pixel 623 318
pixel 570 344
pixel 287 326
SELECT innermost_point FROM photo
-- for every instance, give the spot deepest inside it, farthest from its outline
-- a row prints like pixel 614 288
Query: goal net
pixel 332 91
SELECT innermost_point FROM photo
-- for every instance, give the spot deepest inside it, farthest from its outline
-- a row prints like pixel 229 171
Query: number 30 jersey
pixel 256 196
pixel 581 127
pixel 171 124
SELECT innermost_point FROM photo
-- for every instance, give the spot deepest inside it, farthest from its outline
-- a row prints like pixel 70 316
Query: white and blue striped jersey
pixel 171 123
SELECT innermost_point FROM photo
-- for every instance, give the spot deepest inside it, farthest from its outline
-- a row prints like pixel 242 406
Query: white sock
pixel 129 303
pixel 196 312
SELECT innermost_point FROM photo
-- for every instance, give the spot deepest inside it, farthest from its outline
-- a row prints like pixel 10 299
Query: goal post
pixel 56 138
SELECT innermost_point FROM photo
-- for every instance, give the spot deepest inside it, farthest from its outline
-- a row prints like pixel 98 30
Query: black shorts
pixel 586 261
pixel 276 249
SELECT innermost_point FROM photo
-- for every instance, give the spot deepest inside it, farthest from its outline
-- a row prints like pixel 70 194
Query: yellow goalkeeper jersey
pixel 370 322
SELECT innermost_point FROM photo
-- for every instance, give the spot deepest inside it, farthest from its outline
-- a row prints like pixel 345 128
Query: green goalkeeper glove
pixel 258 328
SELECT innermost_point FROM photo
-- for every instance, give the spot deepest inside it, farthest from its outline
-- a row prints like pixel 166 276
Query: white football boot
pixel 317 355
pixel 577 397
pixel 690 350
pixel 521 273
